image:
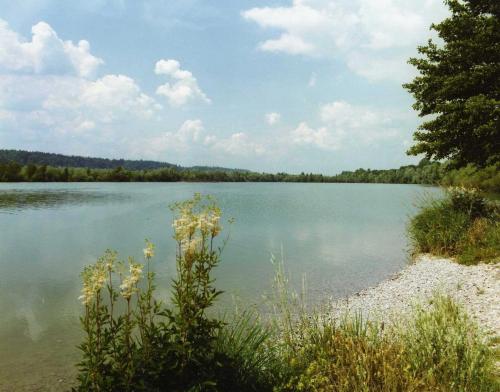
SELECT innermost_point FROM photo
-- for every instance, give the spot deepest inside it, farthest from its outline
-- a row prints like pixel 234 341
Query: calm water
pixel 344 237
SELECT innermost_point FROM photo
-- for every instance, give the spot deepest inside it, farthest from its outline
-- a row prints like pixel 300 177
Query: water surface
pixel 344 237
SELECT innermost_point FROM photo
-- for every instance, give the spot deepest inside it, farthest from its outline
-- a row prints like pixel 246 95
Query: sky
pixel 302 85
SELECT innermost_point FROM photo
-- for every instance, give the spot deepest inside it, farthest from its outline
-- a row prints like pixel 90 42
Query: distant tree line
pixel 425 172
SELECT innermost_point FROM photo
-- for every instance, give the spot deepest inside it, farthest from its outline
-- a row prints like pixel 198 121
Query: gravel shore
pixel 476 287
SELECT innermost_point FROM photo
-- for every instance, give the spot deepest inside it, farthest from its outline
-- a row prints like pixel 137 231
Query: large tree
pixel 457 90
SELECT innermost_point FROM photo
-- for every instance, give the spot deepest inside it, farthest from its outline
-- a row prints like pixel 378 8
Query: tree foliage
pixel 426 172
pixel 458 86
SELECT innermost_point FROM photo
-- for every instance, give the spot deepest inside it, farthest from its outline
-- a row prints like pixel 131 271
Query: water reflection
pixel 18 200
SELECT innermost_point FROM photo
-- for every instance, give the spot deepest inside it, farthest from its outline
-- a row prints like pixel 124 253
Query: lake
pixel 343 237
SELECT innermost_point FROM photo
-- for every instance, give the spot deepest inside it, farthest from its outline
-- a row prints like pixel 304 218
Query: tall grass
pixel 463 224
pixel 434 348
pixel 132 342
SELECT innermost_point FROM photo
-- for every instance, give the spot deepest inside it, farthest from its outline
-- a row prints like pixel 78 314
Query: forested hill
pixel 59 160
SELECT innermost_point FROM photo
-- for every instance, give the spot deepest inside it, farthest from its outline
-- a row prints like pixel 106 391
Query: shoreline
pixel 475 287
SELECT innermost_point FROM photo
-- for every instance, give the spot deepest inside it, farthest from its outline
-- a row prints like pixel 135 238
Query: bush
pixel 487 179
pixel 463 224
pixel 482 242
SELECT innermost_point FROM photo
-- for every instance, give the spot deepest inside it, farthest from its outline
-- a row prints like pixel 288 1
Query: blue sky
pixel 303 85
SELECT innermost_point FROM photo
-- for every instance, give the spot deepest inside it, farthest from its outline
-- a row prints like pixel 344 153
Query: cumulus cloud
pixel 46 53
pixel 322 137
pixel 183 87
pixel 192 139
pixel 345 125
pixel 69 101
pixel 239 144
pixel 106 99
pixel 273 118
pixel 190 134
pixel 346 28
pixel 49 94
pixel 287 43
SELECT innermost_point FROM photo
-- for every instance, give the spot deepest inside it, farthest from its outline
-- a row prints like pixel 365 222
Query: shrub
pixel 462 224
pixel 468 201
pixel 481 242
pixel 487 179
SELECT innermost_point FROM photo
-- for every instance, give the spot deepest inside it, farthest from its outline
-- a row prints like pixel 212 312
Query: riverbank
pixel 475 287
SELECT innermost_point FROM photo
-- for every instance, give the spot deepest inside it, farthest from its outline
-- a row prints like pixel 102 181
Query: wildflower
pixel 185 226
pixel 204 224
pixel 129 283
pixel 189 246
pixel 149 250
pixel 214 223
pixel 94 278
pixel 109 259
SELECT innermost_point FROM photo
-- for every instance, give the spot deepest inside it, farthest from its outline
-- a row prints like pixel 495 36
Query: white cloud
pixel 239 144
pixel 49 96
pixel 273 118
pixel 287 43
pixel 184 89
pixel 378 67
pixel 46 53
pixel 386 30
pixel 192 139
pixel 185 138
pixel 346 125
pixel 322 137
pixel 69 104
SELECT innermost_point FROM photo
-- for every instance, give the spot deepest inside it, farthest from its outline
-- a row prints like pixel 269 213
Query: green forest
pixel 42 167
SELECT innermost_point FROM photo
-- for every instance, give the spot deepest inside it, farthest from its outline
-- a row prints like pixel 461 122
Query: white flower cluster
pixel 192 229
pixel 94 278
pixel 149 250
pixel 129 283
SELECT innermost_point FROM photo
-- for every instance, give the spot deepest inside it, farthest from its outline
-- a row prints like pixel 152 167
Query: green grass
pixel 463 225
pixel 438 348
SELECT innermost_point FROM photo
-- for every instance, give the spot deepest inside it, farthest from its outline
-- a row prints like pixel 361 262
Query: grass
pixel 132 342
pixel 463 225
pixel 437 349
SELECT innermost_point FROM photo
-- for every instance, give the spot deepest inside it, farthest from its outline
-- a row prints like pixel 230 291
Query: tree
pixel 459 86
pixel 11 172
